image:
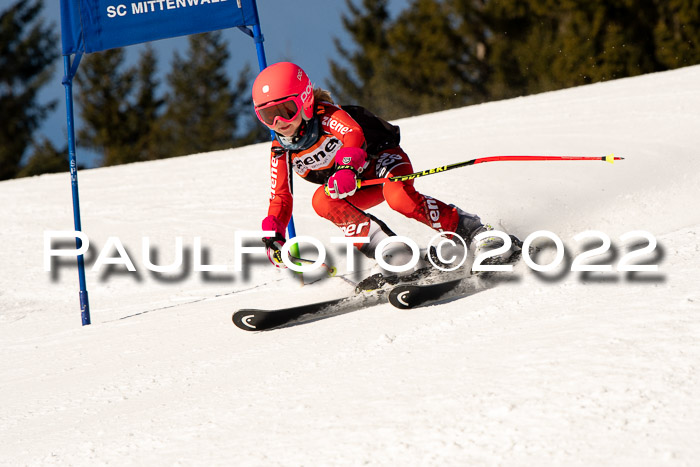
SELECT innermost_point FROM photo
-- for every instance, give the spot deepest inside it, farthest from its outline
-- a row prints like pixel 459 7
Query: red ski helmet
pixel 282 91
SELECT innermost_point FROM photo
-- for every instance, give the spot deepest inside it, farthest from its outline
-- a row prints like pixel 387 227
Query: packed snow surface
pixel 557 368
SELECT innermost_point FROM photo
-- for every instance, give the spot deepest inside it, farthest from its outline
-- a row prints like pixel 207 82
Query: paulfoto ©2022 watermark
pixel 446 246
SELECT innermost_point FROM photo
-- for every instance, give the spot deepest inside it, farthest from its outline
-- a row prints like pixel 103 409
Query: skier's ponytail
pixel 321 95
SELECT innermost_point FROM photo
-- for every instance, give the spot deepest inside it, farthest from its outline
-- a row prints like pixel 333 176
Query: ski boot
pixel 469 227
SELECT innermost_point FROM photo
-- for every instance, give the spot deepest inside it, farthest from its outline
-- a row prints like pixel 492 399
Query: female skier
pixel 325 145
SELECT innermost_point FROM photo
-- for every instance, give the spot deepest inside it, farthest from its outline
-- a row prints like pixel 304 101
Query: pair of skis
pixel 402 296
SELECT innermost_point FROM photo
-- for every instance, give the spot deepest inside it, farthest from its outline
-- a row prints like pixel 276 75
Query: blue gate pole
pixel 262 63
pixel 69 73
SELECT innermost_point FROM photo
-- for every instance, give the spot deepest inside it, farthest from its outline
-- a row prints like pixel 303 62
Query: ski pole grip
pixel 359 185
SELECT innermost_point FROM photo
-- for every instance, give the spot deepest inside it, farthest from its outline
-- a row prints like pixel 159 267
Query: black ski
pixel 253 319
pixel 406 296
pixel 409 295
pixel 372 291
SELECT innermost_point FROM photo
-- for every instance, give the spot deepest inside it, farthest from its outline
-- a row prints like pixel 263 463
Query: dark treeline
pixel 440 54
pixel 434 55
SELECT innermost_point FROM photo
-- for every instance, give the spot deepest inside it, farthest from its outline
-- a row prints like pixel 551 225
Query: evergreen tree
pixel 435 56
pixel 540 45
pixel 45 159
pixel 249 130
pixel 471 36
pixel 119 108
pixel 619 37
pixel 518 38
pixel 203 111
pixel 27 50
pixel 677 33
pixel 366 81
pixel 431 57
pixel 143 118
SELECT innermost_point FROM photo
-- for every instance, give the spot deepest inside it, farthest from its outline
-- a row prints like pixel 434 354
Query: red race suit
pixel 316 163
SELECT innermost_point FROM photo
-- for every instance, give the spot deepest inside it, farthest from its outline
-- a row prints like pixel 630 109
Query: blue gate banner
pixel 94 25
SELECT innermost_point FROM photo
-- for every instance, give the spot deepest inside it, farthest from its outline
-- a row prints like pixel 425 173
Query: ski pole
pixel 401 178
pixel 331 270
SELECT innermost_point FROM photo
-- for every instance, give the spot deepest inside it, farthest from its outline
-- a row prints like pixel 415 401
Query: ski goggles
pixel 285 110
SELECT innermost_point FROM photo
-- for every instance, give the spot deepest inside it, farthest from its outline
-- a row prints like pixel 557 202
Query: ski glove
pixel 341 184
pixel 349 164
pixel 273 245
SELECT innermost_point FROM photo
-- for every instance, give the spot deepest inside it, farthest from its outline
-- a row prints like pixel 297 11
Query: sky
pixel 298 31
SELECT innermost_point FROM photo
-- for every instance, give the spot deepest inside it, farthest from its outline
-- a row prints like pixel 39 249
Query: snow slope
pixel 561 368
